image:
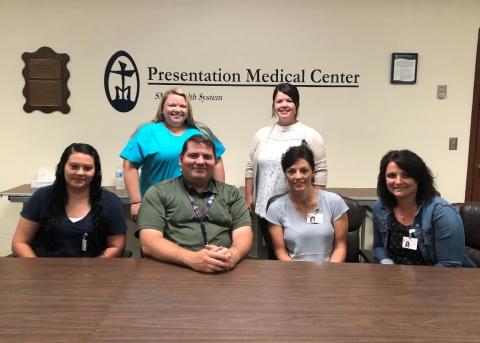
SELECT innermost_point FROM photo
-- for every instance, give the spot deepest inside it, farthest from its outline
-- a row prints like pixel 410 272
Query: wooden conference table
pixel 138 300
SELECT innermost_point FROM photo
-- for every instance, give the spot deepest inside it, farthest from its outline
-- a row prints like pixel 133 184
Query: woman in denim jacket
pixel 412 224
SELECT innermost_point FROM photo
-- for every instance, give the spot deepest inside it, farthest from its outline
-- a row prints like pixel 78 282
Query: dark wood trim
pixel 46 76
pixel 474 127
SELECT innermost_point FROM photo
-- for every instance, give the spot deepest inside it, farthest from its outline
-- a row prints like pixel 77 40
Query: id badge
pixel 315 218
pixel 84 242
pixel 409 243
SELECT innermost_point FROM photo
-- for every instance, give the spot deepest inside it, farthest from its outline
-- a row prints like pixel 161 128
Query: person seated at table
pixel 412 224
pixel 308 223
pixel 195 220
pixel 74 217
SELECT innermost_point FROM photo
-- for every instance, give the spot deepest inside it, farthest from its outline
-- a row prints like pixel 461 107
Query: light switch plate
pixel 452 143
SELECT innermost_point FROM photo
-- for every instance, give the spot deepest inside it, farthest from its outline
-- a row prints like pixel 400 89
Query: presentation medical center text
pixel 316 76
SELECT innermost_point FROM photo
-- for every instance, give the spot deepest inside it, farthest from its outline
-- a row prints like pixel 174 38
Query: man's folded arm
pixel 242 239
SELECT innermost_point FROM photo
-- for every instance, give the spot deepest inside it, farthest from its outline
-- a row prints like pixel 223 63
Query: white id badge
pixel 315 218
pixel 409 243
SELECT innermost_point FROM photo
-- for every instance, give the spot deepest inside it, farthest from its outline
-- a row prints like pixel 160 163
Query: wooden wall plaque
pixel 46 77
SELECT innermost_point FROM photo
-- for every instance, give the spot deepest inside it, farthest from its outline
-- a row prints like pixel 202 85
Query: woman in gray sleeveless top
pixel 307 224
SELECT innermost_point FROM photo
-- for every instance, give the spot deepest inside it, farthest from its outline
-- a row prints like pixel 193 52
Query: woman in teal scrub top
pixel 155 147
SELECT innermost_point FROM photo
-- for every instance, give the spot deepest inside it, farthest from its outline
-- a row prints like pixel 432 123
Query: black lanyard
pixel 199 216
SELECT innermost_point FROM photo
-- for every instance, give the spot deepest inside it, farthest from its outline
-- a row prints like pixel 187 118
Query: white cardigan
pixel 314 141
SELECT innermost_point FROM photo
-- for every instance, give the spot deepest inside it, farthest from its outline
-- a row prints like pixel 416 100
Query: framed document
pixel 404 68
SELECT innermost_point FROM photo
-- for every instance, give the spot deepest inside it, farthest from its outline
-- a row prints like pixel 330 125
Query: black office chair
pixel 264 228
pixel 470 213
pixel 127 253
pixel 356 216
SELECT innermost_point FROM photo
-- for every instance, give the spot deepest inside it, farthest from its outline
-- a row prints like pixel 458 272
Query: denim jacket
pixel 438 228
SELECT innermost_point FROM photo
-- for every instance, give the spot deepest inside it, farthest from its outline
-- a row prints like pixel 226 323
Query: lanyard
pixel 199 216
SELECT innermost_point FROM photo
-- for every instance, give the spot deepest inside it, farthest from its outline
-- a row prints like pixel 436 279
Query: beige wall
pixel 358 124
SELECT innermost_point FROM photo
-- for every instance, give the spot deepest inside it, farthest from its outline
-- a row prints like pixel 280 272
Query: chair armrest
pixel 366 256
pixel 127 253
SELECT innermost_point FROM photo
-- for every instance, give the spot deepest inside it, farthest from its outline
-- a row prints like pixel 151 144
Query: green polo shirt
pixel 166 207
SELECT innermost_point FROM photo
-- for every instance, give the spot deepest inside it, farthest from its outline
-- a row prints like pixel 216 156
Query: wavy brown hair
pixel 413 166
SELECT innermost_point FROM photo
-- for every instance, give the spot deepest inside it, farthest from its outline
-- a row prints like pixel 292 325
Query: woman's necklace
pixel 405 217
pixel 310 204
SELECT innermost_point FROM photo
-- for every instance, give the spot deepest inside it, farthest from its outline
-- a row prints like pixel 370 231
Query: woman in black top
pixel 74 216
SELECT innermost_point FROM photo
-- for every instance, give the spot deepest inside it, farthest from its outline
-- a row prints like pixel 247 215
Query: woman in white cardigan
pixel 263 174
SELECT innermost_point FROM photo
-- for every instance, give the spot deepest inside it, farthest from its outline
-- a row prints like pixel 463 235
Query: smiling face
pixel 197 163
pixel 299 176
pixel 399 183
pixel 284 109
pixel 175 110
pixel 79 170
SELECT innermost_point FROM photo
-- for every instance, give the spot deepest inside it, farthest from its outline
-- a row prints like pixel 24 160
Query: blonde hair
pixel 160 117
pixel 189 122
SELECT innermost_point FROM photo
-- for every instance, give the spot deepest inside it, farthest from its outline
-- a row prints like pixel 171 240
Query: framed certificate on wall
pixel 404 68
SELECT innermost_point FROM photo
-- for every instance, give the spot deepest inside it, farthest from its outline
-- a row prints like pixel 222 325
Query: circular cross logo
pixel 122 81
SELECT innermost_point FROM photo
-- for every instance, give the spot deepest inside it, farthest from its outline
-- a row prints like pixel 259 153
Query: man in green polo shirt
pixel 194 220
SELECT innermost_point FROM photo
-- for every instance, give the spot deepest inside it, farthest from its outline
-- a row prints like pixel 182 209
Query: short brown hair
pixel 199 139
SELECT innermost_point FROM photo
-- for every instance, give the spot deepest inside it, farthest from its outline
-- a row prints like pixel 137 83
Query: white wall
pixel 359 124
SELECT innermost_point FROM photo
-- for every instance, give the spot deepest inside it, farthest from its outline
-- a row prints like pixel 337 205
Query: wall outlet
pixel 441 91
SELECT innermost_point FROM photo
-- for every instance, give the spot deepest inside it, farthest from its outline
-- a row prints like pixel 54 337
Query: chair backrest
pixel 470 213
pixel 266 234
pixel 356 215
pixel 272 199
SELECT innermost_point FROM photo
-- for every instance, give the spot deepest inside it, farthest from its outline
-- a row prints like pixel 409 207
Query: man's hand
pixel 232 255
pixel 211 259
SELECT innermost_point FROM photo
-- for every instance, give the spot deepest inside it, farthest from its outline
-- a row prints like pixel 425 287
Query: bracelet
pixel 135 202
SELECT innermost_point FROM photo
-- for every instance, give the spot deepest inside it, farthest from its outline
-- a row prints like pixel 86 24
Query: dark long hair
pixel 415 167
pixel 50 224
pixel 199 139
pixel 291 91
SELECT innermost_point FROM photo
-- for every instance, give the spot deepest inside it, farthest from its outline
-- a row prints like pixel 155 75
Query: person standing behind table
pixel 412 224
pixel 75 217
pixel 155 147
pixel 307 224
pixel 194 220
pixel 263 173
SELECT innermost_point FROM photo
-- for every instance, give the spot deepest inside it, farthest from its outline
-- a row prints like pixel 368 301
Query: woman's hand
pixel 132 182
pixel 115 246
pixel 249 198
pixel 134 208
